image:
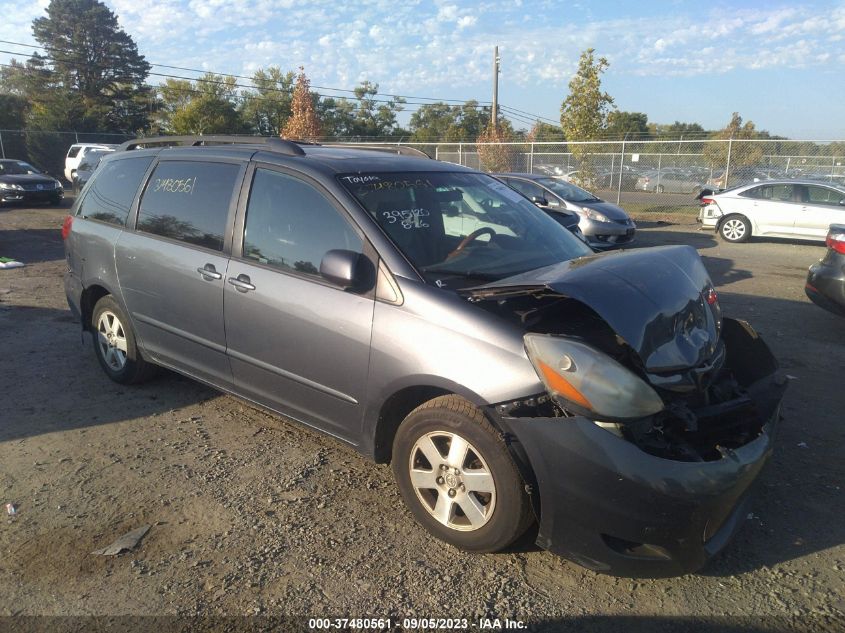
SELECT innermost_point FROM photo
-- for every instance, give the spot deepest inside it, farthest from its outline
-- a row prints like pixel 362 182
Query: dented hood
pixel 654 298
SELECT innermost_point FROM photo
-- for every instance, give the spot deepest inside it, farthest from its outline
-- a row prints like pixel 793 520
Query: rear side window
pixel 291 225
pixel 110 193
pixel 778 193
pixel 73 151
pixel 823 195
pixel 189 201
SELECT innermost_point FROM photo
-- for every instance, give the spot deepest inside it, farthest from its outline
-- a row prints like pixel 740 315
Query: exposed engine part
pixel 709 409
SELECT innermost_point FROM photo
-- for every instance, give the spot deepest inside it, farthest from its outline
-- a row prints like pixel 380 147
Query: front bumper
pixel 602 235
pixel 826 283
pixel 610 506
pixel 613 508
pixel 32 197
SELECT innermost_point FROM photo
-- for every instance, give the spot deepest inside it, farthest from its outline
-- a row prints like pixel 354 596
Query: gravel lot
pixel 253 515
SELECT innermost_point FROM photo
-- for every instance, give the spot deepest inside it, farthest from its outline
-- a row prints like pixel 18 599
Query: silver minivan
pixel 434 318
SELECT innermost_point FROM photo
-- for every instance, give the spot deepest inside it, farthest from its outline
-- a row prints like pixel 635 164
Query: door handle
pixel 241 283
pixel 208 272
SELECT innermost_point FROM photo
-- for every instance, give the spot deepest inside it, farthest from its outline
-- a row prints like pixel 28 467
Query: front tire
pixel 115 345
pixel 735 228
pixel 458 478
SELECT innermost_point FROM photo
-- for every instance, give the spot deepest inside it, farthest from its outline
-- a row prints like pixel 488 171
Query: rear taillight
pixel 66 226
pixel 836 241
pixel 706 201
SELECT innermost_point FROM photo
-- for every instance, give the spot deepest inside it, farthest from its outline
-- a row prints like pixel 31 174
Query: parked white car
pixel 77 152
pixel 801 209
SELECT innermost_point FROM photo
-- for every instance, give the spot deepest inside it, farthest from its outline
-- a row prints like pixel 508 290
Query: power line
pixel 535 117
pixel 195 70
pixel 514 112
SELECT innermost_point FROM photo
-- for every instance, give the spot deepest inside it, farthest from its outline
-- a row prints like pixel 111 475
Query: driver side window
pixel 290 225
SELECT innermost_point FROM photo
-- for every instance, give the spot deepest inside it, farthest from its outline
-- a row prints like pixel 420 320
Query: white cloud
pixel 430 48
pixel 466 21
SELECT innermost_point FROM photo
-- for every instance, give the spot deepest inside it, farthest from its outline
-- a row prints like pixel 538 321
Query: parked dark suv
pixel 432 317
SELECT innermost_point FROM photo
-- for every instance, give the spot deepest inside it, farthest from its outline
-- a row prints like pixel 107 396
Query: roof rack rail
pixel 274 144
pixel 403 150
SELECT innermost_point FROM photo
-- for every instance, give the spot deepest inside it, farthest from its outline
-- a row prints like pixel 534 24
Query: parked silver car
pixel 432 317
pixel 604 224
pixel 775 208
pixel 669 180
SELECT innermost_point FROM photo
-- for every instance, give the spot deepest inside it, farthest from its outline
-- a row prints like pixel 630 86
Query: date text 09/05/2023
pixel 457 624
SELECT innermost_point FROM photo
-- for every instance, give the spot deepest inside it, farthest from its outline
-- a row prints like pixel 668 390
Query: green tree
pixel 206 106
pixel 742 152
pixel 13 110
pixel 303 123
pixel 583 114
pixel 677 130
pixel 451 123
pixel 267 108
pixel 472 120
pixel 95 67
pixel 546 132
pixel 631 125
pixel 432 121
pixel 366 116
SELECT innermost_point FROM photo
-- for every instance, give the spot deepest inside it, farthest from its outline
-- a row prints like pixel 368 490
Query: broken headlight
pixel 588 382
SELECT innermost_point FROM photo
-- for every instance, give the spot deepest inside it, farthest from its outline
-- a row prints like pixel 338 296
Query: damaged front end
pixel 658 412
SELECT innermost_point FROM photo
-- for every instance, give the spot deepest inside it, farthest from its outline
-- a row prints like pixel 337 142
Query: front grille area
pixel 45 186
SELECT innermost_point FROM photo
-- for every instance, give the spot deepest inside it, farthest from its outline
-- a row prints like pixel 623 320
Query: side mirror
pixel 347 269
pixel 539 200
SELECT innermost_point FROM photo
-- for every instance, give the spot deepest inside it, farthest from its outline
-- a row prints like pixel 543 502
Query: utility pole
pixel 496 60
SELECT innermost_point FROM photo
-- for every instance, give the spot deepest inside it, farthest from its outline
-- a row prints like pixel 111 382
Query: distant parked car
pixel 739 176
pixel 551 170
pixel 86 167
pixel 21 182
pixel 670 180
pixel 826 280
pixel 77 152
pixel 609 179
pixel 604 224
pixel 777 208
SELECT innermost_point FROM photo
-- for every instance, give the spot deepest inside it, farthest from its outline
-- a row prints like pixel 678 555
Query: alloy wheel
pixel 111 338
pixel 452 480
pixel 733 229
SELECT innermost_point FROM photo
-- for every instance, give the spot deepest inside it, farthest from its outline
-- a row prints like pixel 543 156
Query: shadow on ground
pixel 31 246
pixel 53 382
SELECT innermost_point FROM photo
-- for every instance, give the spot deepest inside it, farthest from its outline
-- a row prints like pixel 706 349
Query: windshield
pixel 16 168
pixel 459 229
pixel 567 190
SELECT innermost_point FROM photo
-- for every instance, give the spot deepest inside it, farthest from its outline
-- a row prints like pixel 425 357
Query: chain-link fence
pixel 657 180
pixel 47 149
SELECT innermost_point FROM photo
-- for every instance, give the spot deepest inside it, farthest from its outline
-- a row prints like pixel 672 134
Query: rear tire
pixel 735 228
pixel 458 478
pixel 115 344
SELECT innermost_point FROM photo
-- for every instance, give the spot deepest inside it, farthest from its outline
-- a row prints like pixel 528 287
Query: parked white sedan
pixel 775 208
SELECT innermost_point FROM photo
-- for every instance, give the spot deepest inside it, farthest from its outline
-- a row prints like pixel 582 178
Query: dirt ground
pixel 252 515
